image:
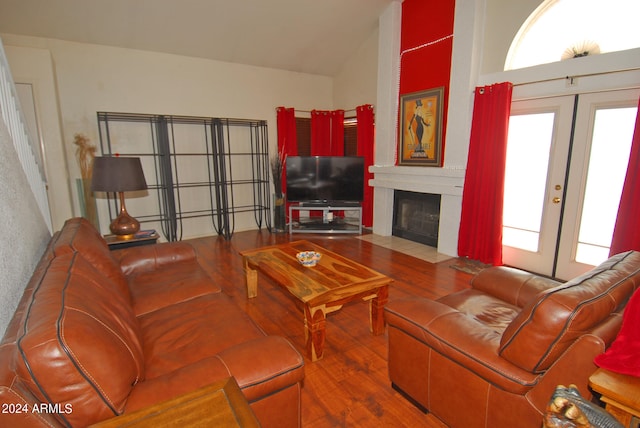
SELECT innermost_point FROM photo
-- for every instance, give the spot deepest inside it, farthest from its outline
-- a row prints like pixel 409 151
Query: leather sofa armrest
pixel 261 367
pixel 514 286
pixel 264 366
pixel 151 257
pixel 457 337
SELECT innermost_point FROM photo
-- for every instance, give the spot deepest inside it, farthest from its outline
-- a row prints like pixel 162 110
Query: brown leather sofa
pixel 99 334
pixel 492 355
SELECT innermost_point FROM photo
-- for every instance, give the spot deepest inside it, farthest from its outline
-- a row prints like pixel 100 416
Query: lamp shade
pixel 117 174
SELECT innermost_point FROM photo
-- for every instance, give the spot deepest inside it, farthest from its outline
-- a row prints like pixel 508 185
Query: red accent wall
pixel 424 21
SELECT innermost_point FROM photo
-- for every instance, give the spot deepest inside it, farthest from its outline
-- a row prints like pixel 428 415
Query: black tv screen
pixel 325 179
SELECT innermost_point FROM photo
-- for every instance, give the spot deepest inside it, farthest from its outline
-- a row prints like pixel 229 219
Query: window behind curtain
pixel 303 130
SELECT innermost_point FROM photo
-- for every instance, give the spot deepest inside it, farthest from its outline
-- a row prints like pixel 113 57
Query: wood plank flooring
pixel 350 386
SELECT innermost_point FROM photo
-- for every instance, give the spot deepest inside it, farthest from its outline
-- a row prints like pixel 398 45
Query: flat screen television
pixel 325 179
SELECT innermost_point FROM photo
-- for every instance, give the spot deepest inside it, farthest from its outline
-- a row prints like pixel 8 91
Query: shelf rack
pixel 327 222
pixel 196 167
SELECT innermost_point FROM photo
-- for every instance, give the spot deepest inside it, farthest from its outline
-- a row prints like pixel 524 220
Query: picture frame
pixel 420 130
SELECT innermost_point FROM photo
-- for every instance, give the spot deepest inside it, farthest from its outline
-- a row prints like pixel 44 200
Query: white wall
pixel 357 82
pixel 503 19
pixel 93 78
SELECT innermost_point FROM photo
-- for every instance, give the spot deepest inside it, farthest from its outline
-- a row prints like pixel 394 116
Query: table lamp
pixel 119 174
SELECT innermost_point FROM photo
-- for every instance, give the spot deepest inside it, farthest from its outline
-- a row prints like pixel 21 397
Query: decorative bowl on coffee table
pixel 308 258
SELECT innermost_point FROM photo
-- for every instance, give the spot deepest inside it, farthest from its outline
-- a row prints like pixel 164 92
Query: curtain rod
pixel 309 111
pixel 551 79
pixel 353 110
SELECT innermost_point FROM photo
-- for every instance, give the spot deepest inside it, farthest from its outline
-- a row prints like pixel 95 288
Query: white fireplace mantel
pixel 447 182
pixel 441 181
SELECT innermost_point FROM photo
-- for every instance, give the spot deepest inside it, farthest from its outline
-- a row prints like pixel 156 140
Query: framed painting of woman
pixel 420 139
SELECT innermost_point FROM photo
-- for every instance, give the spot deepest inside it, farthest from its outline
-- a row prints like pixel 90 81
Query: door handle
pixel 556 200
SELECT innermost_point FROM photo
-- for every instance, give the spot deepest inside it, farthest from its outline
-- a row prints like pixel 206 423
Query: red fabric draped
pixel 623 356
pixel 320 133
pixel 480 234
pixel 626 234
pixel 327 138
pixel 337 133
pixel 365 117
pixel 287 139
pixel 327 133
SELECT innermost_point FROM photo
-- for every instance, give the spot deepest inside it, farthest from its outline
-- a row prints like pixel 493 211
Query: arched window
pixel 562 29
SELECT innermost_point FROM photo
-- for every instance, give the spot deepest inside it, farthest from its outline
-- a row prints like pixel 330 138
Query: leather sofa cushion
pixel 80 235
pixel 137 260
pixel 184 333
pixel 163 275
pixel 549 324
pixel 158 289
pixel 206 338
pixel 488 311
pixel 80 342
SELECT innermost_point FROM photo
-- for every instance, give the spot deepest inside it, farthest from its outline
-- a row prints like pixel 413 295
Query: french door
pixel 566 162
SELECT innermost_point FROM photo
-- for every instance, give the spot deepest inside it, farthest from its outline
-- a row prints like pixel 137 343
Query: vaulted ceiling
pixel 309 36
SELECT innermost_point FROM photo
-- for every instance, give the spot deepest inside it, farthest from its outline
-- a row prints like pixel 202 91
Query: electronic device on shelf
pixel 325 180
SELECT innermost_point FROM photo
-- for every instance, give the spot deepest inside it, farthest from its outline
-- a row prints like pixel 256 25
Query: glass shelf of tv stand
pixel 328 222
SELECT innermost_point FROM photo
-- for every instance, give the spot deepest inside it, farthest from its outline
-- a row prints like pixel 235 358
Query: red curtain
pixel 365 118
pixel 480 234
pixel 327 139
pixel 626 234
pixel 337 133
pixel 327 133
pixel 287 139
pixel 320 133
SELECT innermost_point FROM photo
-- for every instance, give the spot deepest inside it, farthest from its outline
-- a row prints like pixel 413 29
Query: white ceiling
pixel 309 36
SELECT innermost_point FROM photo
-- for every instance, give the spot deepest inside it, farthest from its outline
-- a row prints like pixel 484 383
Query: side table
pixel 115 243
pixel 220 404
pixel 621 395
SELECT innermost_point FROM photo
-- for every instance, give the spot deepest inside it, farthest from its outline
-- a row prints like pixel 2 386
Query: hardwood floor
pixel 350 385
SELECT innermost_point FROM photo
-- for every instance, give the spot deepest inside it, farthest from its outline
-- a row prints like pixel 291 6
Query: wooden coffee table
pixel 322 289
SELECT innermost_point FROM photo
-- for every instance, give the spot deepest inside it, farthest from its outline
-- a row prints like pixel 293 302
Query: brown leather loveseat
pixel 492 355
pixel 100 333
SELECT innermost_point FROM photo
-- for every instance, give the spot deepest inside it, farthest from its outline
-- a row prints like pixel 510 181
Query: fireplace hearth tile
pixel 405 246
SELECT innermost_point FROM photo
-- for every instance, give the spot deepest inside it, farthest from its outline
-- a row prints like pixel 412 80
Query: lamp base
pixel 124 226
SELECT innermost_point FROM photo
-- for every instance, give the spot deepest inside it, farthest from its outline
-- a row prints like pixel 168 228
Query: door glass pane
pixel 610 148
pixel 528 151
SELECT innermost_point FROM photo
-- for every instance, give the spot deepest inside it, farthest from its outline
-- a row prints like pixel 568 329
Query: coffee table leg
pixel 376 310
pixel 252 280
pixel 314 331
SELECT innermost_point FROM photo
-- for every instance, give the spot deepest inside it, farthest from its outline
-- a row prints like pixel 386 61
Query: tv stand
pixel 328 223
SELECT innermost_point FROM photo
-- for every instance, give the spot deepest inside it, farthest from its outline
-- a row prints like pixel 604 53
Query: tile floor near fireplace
pixel 410 248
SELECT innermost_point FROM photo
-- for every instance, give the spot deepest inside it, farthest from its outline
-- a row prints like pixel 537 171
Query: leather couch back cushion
pixel 80 235
pixel 80 344
pixel 548 325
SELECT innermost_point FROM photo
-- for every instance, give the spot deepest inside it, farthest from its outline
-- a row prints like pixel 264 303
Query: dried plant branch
pixel 85 152
pixel 277 170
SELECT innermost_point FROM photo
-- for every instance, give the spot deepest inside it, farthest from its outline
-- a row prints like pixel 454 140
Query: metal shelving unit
pixel 327 223
pixel 196 168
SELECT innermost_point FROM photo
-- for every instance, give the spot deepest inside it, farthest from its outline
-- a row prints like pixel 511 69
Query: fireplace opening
pixel 416 216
